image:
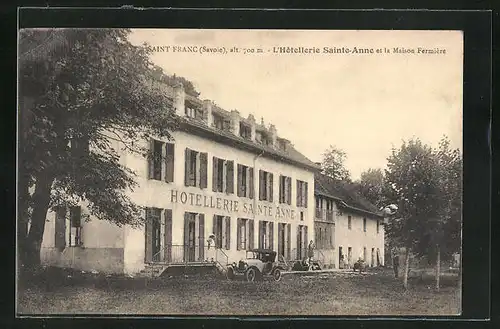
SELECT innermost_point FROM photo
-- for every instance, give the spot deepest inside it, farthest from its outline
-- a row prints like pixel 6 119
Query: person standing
pixel 395 262
pixel 310 252
pixel 211 247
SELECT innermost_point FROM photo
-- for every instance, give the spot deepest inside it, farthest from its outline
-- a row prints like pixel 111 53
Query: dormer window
pixel 220 122
pixel 245 131
pixel 193 111
pixel 258 136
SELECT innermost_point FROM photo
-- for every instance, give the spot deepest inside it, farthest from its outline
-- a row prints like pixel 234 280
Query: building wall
pixel 357 239
pixel 153 193
pixel 102 248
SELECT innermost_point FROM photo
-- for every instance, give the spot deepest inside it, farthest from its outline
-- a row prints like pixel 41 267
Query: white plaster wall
pixel 356 238
pixel 152 193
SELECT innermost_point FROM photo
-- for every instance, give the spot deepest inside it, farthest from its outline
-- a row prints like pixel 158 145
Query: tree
pixel 371 186
pixel 446 237
pixel 87 89
pixel 412 185
pixel 333 164
pixel 171 80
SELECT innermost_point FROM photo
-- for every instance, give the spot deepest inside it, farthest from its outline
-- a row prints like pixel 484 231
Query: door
pixel 156 240
pixel 341 264
pixel 281 239
pixel 373 258
pixel 349 256
pixel 191 241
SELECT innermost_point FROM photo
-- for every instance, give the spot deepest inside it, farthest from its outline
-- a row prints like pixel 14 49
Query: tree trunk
pixel 438 267
pixel 407 269
pixel 41 199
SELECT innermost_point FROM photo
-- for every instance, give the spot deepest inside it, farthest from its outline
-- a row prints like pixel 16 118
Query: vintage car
pixel 360 265
pixel 257 265
pixel 304 265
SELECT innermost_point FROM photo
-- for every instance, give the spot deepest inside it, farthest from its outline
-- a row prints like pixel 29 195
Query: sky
pixel 362 103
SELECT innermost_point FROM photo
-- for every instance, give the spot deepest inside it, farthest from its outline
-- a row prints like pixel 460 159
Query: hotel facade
pixel 220 175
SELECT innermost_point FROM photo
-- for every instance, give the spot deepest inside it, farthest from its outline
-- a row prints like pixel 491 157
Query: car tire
pixel 230 274
pixel 252 274
pixel 277 274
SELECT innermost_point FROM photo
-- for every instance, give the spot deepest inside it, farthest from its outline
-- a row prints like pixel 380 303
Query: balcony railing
pixel 181 254
pixel 324 214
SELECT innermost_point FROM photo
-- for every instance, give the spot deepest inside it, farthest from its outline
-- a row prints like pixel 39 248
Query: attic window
pixel 245 131
pixel 193 111
pixel 221 123
pixel 262 138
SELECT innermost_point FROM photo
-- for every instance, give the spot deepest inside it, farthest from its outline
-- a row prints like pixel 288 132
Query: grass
pixel 374 293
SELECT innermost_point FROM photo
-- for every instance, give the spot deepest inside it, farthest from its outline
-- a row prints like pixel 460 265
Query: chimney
pixel 273 135
pixel 235 122
pixel 207 110
pixel 179 100
pixel 251 119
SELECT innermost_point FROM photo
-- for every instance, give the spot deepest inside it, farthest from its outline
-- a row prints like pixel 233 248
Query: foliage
pixel 333 164
pixel 172 80
pixel 371 186
pixel 81 95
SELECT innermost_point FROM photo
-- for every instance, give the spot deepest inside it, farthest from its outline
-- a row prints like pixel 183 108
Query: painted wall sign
pixel 230 206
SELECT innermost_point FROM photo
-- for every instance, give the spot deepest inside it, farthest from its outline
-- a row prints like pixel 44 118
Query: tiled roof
pixel 291 155
pixel 343 192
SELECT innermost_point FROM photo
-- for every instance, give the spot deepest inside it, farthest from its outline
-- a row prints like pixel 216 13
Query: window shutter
pixel 167 239
pixel 262 193
pixel 289 192
pixel 60 228
pixel 187 162
pixel 150 159
pixel 280 241
pixel 271 235
pixel 239 179
pixel 306 238
pixel 250 234
pixel 250 185
pixel 230 177
pixel 203 169
pixel 76 214
pixel 288 241
pixel 214 173
pixel 305 195
pixel 169 150
pixel 214 229
pixel 298 193
pixel 201 236
pixel 186 235
pixel 270 199
pixel 238 233
pixel 149 237
pixel 228 232
pixel 261 242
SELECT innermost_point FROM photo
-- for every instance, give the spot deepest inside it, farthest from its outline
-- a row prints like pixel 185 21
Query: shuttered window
pixel 244 181
pixel 301 194
pixel 223 176
pixel 265 186
pixel 285 191
pixel 195 168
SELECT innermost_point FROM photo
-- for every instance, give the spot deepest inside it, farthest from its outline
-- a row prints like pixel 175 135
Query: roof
pixel 344 193
pixel 291 155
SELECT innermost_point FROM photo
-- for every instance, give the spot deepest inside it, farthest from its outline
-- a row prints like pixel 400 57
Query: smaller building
pixel 347 226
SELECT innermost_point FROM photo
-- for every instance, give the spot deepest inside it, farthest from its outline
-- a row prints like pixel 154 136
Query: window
pixel 221 123
pixel 245 131
pixel 161 161
pixel 222 231
pixel 245 181
pixel 364 224
pixel 223 175
pixel 266 234
pixel 265 186
pixel 285 195
pixel 193 111
pixel 349 224
pixel 75 236
pixel 378 226
pixel 195 168
pixel 60 228
pixel 301 194
pixel 258 136
pixel 244 234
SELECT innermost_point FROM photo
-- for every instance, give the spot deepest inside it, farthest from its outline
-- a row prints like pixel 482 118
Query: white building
pixel 346 225
pixel 222 174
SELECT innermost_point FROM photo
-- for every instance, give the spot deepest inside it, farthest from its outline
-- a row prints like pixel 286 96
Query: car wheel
pixel 277 274
pixel 230 274
pixel 251 274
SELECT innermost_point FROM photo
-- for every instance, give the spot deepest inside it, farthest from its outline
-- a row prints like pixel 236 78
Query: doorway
pixel 373 258
pixel 281 239
pixel 341 264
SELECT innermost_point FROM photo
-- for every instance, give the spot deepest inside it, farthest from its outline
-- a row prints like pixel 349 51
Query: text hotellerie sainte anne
pixel 356 50
pixel 230 206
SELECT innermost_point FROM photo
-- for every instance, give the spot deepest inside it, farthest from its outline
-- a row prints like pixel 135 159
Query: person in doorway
pixel 211 247
pixel 395 263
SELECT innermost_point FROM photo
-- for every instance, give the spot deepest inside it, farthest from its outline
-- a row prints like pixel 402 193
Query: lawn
pixel 374 293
